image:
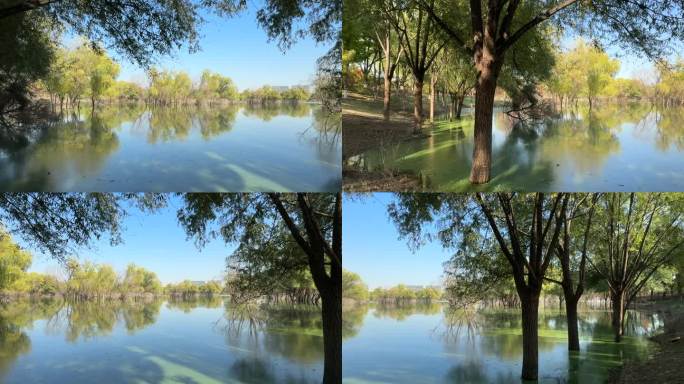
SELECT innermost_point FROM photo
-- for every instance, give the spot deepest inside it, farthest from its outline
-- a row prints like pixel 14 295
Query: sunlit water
pixel 204 341
pixel 432 344
pixel 218 148
pixel 612 148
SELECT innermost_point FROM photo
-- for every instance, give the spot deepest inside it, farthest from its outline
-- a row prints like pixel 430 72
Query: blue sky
pixel 238 48
pixel 371 247
pixel 156 242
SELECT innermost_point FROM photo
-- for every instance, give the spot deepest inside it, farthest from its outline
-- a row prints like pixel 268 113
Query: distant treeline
pixel 84 73
pixel 87 280
pixel 355 289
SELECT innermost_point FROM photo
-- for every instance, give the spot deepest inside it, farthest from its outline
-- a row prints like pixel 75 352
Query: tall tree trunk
pixel 418 104
pixel 332 336
pixel 484 111
pixel 617 299
pixel 530 324
pixel 573 328
pixel 92 102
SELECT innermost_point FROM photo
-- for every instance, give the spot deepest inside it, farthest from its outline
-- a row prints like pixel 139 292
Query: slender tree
pixel 419 39
pixel 642 232
pixel 572 253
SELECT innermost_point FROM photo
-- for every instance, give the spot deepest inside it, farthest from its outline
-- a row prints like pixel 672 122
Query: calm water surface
pixel 612 148
pixel 433 344
pixel 219 148
pixel 202 341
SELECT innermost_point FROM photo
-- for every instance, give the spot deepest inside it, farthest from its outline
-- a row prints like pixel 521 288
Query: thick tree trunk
pixel 573 329
pixel 618 302
pixel 530 325
pixel 332 336
pixel 484 111
pixel 418 104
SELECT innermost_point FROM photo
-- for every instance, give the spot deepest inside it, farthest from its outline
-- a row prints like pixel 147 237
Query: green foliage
pixel 137 29
pixel 274 244
pixel 57 224
pixel 670 87
pixel 295 94
pixel 353 287
pixel 428 294
pixel 215 86
pixel 14 261
pixel 585 71
pixel 26 54
pixel 127 91
pixel 169 87
pixel 288 20
pixel 211 288
pixel 139 280
pixel 184 288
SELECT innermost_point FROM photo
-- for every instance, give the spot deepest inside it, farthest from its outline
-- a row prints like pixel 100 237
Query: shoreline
pixel 664 365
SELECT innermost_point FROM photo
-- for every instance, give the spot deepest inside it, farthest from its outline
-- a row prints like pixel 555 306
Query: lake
pixel 237 148
pixel 187 341
pixel 633 147
pixel 434 344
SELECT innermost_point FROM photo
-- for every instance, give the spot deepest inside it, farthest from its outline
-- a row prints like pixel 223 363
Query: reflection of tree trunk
pixel 459 106
pixel 530 312
pixel 617 299
pixel 433 81
pixel 418 103
pixel 325 266
pixel 332 335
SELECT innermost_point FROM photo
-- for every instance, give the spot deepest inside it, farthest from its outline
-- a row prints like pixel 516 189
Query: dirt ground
pixel 665 366
pixel 363 129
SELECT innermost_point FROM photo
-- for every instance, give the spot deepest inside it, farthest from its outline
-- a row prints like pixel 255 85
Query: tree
pixel 496 26
pixel 524 230
pixel 457 76
pixel 25 57
pixel 595 69
pixel 57 224
pixel 428 294
pixel 138 29
pixel 103 71
pixel 419 39
pixel 257 221
pixel 14 261
pixel 138 280
pixel 353 287
pixel 214 86
pixel 642 233
pixel 211 288
pixel 572 253
pixel 361 31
